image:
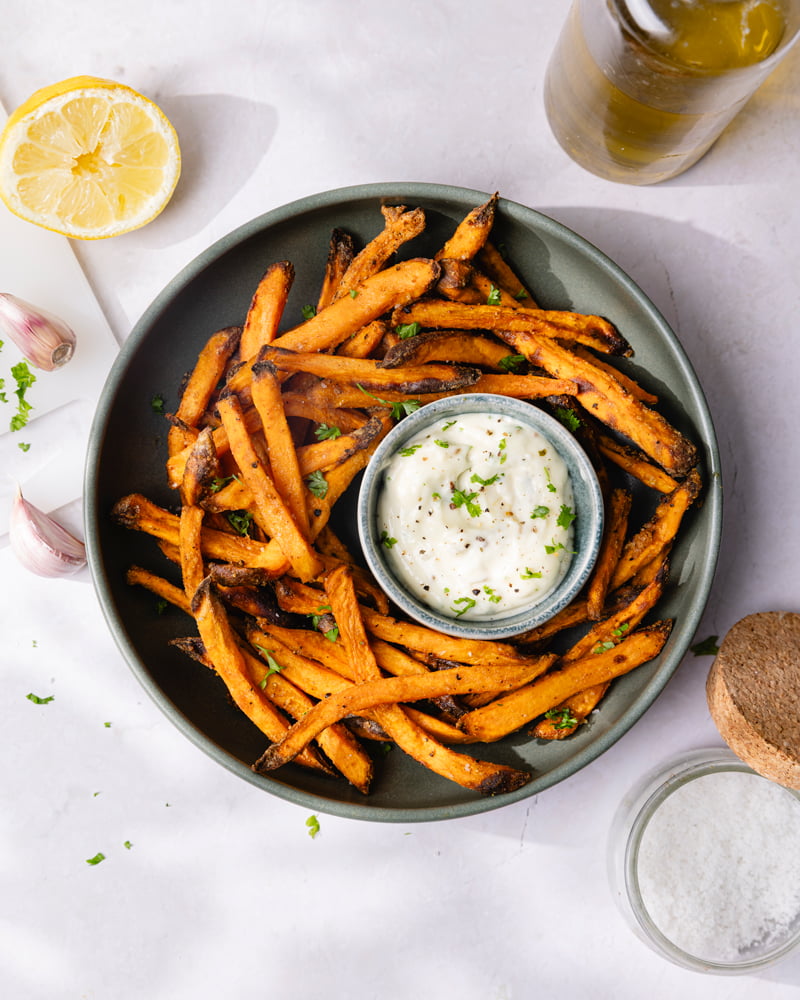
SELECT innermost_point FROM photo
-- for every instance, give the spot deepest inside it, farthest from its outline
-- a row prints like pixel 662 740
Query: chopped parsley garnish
pixel 406 330
pixel 521 295
pixel 161 605
pixel 127 845
pixel 407 452
pixel 565 516
pixel 353 292
pixel 157 403
pixel 317 484
pixel 448 425
pixel 493 597
pixel 461 499
pixel 399 409
pixel 529 574
pixel 333 633
pixel 442 444
pixel 240 521
pixel 540 511
pixel 24 446
pixel 96 859
pixel 272 663
pixel 436 496
pixel 468 603
pixel 493 298
pixel 568 418
pixel 603 647
pixel 550 485
pixel 561 718
pixel 387 540
pixel 39 701
pixel 553 547
pixel 24 378
pixel 325 432
pixel 706 647
pixel 621 629
pixel 511 362
pixel 502 449
pixel 216 484
pixel 313 826
pixel 475 478
pixel 309 311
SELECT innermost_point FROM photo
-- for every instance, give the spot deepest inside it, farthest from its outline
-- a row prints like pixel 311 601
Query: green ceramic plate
pixel 128 450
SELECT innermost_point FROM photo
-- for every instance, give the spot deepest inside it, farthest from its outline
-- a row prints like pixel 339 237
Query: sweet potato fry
pixel 616 525
pixel 140 514
pixel 602 395
pixel 471 233
pixel 340 255
pixel 400 226
pixel 380 293
pixel 632 461
pixel 560 722
pixel 593 331
pixel 484 777
pixel 512 711
pixel 492 262
pixel 462 282
pixel 629 384
pixel 368 373
pixel 266 309
pixel 272 513
pixel 615 627
pixel 208 370
pixel 141 577
pixel 336 741
pixel 284 461
pixel 364 341
pixel 190 534
pixel 659 531
pixel 448 345
pixel 224 653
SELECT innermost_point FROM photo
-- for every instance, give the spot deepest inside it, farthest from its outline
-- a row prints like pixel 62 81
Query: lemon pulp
pixel 88 158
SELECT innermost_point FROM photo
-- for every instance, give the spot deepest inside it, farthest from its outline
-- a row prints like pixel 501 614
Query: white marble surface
pixel 223 892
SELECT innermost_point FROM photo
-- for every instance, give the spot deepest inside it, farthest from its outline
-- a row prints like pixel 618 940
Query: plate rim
pixel 421 192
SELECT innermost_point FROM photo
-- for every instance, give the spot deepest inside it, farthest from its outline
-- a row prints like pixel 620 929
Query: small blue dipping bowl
pixel 588 525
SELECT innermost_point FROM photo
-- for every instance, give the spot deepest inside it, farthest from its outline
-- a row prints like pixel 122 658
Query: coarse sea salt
pixel 718 866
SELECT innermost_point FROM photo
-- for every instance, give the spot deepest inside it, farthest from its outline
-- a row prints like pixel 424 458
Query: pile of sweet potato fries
pixel 273 427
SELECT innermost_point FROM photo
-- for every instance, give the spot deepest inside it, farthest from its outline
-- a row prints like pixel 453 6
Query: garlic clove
pixel 40 543
pixel 45 340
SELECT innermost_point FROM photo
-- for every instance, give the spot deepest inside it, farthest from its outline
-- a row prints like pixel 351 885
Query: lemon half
pixel 88 158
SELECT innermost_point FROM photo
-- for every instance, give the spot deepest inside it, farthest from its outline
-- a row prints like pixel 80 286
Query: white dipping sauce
pixel 475 516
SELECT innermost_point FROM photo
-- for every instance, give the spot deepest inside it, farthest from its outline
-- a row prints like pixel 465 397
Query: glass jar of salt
pixel 705 864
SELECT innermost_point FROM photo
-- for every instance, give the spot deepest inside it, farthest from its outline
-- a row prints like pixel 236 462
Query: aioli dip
pixel 475 516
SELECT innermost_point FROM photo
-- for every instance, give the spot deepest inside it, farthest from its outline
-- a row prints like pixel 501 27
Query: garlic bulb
pixel 40 543
pixel 45 340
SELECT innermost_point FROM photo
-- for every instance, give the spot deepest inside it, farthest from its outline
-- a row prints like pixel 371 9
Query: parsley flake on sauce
pixel 96 859
pixel 313 826
pixel 468 603
pixel 461 499
pixel 565 516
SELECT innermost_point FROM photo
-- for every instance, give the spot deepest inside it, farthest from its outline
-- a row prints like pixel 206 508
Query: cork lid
pixel 753 691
